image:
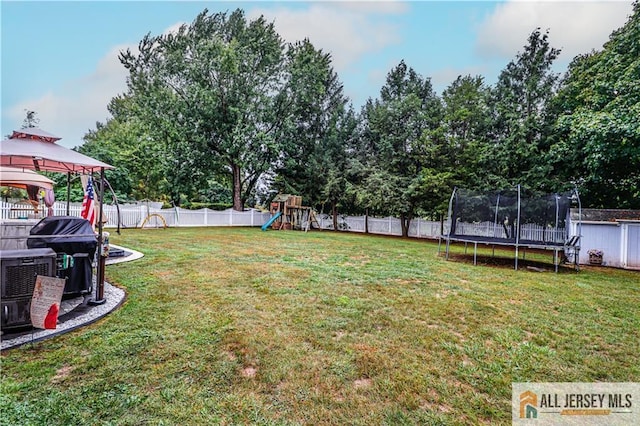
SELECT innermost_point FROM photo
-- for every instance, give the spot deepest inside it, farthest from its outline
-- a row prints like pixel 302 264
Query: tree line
pixel 224 111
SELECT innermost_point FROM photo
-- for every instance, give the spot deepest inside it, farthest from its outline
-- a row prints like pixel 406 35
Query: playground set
pixel 287 212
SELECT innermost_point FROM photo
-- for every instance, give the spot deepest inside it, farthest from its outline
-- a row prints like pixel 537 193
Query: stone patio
pixel 75 312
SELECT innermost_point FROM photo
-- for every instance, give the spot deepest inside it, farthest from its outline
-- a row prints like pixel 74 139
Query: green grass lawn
pixel 239 326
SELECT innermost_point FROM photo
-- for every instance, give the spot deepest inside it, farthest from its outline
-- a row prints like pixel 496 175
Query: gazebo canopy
pixel 35 149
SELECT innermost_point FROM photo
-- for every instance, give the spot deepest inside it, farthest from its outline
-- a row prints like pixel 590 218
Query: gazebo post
pixel 68 192
pixel 100 269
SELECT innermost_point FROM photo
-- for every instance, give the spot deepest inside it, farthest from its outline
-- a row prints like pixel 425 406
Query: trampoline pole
pixel 557 210
pixel 495 220
pixel 451 222
pixel 446 256
pixel 517 228
pixel 475 253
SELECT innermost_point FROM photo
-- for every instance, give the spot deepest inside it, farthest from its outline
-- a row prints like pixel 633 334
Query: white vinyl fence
pixel 418 228
pixel 528 231
pixel 149 215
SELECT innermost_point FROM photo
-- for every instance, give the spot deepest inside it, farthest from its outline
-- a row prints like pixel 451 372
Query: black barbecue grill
pixel 71 236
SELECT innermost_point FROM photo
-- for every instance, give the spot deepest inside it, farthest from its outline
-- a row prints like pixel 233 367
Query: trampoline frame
pixel 570 244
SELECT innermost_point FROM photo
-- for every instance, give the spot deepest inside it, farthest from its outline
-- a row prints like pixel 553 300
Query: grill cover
pixel 64 234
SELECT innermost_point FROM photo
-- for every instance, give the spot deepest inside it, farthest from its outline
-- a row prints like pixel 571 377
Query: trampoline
pixel 516 218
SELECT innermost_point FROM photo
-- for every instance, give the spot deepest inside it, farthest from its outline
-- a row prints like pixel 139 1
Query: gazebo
pixel 36 150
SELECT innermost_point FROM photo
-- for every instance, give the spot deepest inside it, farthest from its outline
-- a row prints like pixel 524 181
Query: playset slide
pixel 270 221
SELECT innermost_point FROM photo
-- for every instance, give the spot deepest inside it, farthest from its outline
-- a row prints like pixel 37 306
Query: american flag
pixel 88 204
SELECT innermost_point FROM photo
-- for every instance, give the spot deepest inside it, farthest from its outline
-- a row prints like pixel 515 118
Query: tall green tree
pixel 334 160
pixel 466 124
pixel 143 166
pixel 519 105
pixel 216 91
pixel 312 140
pixel 402 134
pixel 598 124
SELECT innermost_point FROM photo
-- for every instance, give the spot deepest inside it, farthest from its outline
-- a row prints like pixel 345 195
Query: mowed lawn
pixel 239 326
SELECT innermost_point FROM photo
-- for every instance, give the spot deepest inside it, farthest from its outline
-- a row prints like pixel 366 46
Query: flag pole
pixel 99 298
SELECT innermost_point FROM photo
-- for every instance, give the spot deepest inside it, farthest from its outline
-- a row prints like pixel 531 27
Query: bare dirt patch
pixel 230 356
pixel 249 372
pixel 362 383
pixel 62 374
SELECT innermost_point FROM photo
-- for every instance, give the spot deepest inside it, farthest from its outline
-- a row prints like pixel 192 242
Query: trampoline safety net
pixel 514 217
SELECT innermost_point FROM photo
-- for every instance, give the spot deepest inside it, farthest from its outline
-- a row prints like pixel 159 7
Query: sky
pixel 60 59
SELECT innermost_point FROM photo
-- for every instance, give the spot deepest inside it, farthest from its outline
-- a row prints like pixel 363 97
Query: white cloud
pixel 70 112
pixel 74 109
pixel 575 27
pixel 345 30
